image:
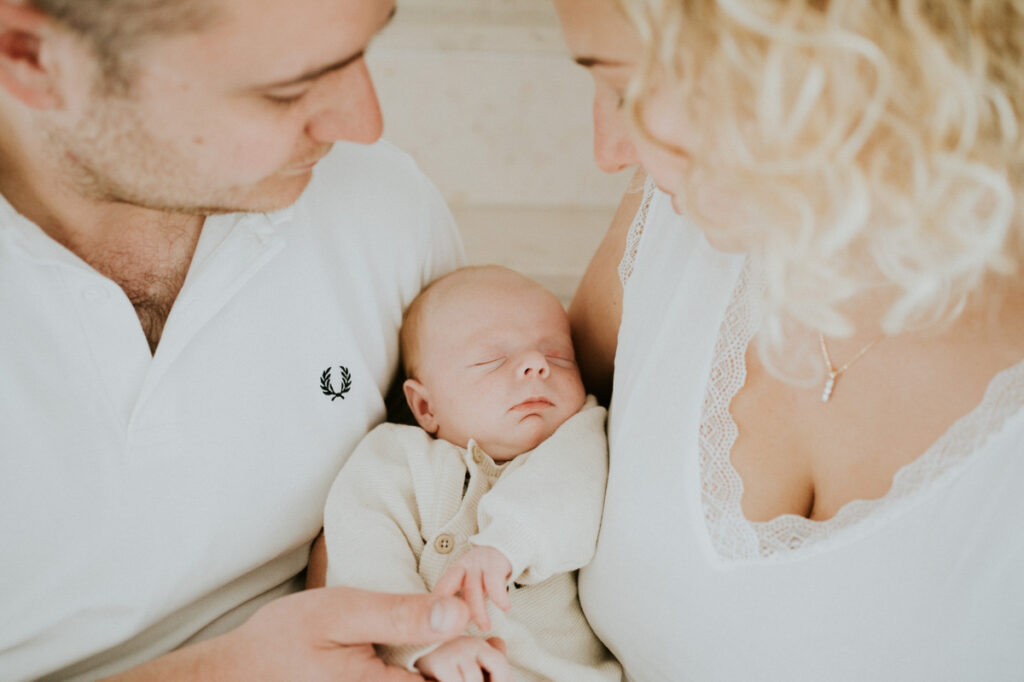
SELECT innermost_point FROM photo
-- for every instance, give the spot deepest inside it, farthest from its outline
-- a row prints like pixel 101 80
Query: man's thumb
pixel 362 617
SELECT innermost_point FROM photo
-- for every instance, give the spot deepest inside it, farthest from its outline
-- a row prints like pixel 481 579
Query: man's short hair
pixel 115 27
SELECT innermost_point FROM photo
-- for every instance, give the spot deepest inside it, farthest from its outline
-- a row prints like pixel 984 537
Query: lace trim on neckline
pixel 636 230
pixel 732 535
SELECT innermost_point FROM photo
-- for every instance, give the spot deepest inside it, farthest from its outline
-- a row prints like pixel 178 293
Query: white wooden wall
pixel 484 95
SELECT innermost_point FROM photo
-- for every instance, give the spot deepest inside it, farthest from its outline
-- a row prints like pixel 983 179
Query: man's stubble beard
pixel 111 157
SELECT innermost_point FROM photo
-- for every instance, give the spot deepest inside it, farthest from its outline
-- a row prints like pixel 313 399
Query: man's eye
pixel 285 99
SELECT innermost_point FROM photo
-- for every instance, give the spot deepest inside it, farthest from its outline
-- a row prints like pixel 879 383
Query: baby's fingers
pixel 474 596
pixel 445 672
pixel 497 590
pixel 494 662
pixel 471 672
pixel 451 582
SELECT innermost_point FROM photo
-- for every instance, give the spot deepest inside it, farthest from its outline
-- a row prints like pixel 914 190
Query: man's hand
pixel 322 634
pixel 466 659
pixel 479 573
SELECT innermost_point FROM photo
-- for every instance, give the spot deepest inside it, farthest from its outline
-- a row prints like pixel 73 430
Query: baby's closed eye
pixel 491 363
pixel 561 360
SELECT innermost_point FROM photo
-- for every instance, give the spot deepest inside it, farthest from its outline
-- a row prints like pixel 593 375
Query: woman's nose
pixel 534 365
pixel 613 146
pixel 348 109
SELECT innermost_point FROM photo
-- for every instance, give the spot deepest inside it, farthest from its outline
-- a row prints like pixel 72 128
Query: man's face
pixel 497 359
pixel 230 118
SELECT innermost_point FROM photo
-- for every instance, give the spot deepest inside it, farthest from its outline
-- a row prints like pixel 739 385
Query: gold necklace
pixel 834 373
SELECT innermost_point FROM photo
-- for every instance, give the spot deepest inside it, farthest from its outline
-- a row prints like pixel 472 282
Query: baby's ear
pixel 419 402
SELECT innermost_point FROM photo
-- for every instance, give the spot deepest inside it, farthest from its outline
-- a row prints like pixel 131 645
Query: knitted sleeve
pixel 544 512
pixel 372 523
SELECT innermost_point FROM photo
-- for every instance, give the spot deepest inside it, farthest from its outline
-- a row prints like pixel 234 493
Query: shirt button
pixel 444 543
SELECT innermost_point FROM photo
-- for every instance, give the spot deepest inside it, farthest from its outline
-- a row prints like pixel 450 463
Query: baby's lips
pixel 533 403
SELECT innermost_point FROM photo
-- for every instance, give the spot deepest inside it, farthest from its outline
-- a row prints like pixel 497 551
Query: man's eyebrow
pixel 589 62
pixel 313 74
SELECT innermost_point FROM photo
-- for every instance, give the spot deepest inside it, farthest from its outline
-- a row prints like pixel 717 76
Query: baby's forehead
pixel 484 290
pixel 480 307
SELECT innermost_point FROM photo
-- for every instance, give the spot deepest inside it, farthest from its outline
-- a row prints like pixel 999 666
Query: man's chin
pixel 285 192
pixel 260 199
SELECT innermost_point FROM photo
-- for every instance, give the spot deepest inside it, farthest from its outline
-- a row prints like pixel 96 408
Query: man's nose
pixel 348 108
pixel 613 146
pixel 534 364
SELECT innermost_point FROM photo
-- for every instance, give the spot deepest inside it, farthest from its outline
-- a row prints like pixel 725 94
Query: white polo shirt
pixel 144 498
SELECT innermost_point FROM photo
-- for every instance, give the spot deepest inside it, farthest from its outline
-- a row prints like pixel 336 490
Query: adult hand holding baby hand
pixel 320 634
pixel 466 659
pixel 479 573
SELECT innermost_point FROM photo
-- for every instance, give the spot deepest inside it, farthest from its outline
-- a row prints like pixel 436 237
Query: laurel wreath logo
pixel 328 389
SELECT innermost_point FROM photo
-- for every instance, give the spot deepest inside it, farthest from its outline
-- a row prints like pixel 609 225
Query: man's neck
pixel 146 252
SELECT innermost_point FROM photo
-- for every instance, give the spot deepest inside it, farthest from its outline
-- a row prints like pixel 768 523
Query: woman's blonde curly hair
pixel 881 141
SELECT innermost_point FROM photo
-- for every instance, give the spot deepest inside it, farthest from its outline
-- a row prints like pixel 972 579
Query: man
pixel 197 328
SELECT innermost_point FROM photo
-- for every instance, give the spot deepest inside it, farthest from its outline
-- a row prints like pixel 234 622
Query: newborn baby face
pixel 496 363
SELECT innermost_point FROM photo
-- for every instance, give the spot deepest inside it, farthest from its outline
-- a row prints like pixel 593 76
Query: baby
pixel 498 495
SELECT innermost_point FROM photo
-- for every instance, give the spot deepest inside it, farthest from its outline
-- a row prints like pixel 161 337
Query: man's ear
pixel 24 73
pixel 419 402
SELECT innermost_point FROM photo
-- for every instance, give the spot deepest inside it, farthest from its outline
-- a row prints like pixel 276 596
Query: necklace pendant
pixel 826 393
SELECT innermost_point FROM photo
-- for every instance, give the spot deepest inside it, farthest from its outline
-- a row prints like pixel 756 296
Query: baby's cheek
pixel 580 395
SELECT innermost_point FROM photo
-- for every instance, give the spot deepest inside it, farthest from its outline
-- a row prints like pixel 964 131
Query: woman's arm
pixel 316 570
pixel 596 309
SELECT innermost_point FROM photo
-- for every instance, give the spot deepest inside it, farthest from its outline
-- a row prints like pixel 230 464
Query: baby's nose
pixel 534 364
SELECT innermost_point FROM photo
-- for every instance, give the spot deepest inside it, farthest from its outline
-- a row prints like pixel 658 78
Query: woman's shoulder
pixel 596 309
pixel 667 260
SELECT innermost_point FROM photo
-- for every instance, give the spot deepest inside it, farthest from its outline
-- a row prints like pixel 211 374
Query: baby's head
pixel 489 356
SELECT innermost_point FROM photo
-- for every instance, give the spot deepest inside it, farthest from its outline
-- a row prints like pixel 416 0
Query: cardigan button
pixel 478 455
pixel 444 543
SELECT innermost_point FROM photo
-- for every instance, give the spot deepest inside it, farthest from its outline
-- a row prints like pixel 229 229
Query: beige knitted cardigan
pixel 406 505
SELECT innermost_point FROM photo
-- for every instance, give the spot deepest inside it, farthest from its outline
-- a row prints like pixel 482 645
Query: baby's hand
pixel 481 572
pixel 466 659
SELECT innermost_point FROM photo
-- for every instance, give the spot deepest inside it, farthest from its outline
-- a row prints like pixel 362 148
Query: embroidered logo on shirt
pixel 328 389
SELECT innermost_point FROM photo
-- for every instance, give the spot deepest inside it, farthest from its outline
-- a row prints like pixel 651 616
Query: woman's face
pixel 603 41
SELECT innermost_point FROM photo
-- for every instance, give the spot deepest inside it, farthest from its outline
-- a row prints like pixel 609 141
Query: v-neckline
pixel 736 539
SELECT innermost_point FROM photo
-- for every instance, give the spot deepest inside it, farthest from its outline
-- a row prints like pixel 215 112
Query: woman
pixel 816 326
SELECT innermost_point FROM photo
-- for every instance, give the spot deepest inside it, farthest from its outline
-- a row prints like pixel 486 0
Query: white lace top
pixel 924 583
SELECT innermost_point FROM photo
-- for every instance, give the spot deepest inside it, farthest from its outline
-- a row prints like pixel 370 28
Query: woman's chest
pixel 797 454
pixel 918 592
pixel 760 464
